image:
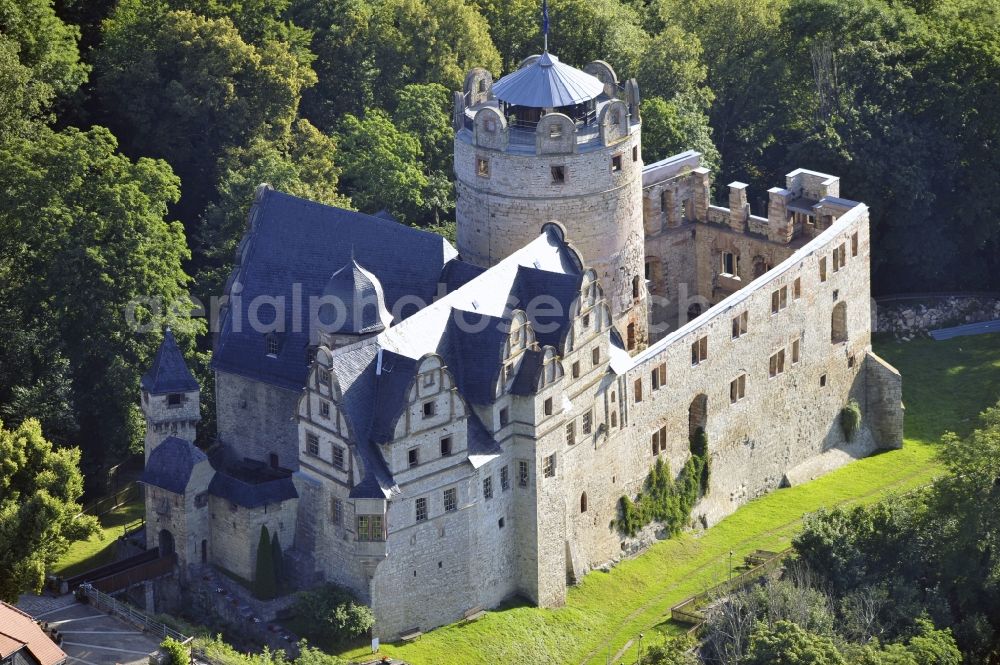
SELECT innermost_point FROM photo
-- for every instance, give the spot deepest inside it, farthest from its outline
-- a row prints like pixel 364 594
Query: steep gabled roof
pixel 169 373
pixel 171 463
pixel 19 631
pixel 290 251
pixel 547 298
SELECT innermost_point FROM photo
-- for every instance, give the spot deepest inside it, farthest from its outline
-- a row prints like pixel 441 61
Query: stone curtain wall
pixel 913 317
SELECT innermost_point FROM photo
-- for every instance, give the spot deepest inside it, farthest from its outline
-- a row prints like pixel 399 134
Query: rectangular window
pixel 576 370
pixel 843 254
pixel 174 399
pixel 616 163
pixel 428 409
pixel 588 422
pixel 504 417
pixel 779 299
pixel 822 381
pixel 822 269
pixel 797 288
pixel 655 442
pixel 482 167
pixel 595 356
pixel 446 446
pixel 662 369
pixel 558 174
pixel 699 350
pixel 776 364
pixel 370 528
pixel 570 433
pixel 836 260
pixel 324 409
pixel 638 390
pixel 795 351
pixel 312 444
pixel 413 457
pixel 522 473
pixel 549 466
pixel 488 487
pixel 338 457
pixel 504 478
pixel 740 323
pixel 738 388
pixel 654 379
pixel 547 409
pixel 337 511
pixel 429 379
pixel 421 509
pixel 728 263
pixel 450 500
pixel 854 244
pixel 324 377
pixel 635 153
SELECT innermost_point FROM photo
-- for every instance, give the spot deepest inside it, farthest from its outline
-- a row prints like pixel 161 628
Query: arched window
pixel 838 323
pixel 630 336
pixel 583 502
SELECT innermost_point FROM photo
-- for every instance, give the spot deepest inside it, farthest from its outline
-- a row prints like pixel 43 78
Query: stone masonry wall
pixel 909 318
pixel 256 419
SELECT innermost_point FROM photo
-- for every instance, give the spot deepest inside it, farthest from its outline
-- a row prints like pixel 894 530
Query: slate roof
pixel 526 381
pixel 457 273
pixel 292 242
pixel 171 463
pixel 251 495
pixel 358 305
pixel 534 290
pixel 547 83
pixel 19 631
pixel 169 373
pixel 468 328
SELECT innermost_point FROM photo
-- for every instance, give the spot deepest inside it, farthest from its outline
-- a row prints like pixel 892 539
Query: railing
pixel 99 508
pixel 136 574
pixel 101 600
pixel 687 611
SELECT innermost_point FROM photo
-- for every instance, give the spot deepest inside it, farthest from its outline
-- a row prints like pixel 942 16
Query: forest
pixel 134 132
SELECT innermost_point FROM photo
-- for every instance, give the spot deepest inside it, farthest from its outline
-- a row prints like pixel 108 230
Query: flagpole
pixel 545 23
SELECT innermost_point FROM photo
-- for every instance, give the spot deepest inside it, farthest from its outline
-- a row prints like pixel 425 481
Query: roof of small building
pixel 19 631
pixel 226 485
pixel 547 83
pixel 290 252
pixel 170 464
pixel 358 303
pixel 169 373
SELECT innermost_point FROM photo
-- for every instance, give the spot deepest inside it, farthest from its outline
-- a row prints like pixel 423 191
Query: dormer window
pixel 174 399
pixel 271 345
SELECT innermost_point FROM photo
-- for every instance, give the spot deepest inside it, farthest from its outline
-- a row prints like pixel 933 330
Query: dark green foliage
pixel 787 644
pixel 850 419
pixel 699 448
pixel 265 586
pixel 332 613
pixel 278 559
pixel 665 500
pixel 177 653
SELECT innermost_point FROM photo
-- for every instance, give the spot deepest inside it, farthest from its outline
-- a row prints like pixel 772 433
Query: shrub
pixel 850 419
pixel 333 613
pixel 265 586
pixel 666 500
pixel 177 653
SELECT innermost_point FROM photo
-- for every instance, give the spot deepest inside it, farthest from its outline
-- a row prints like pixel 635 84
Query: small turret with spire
pixel 171 397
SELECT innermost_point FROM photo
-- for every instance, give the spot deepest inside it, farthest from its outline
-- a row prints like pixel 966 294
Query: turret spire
pixel 545 23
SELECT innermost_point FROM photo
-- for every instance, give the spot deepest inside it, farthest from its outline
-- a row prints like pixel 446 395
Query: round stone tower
pixel 550 142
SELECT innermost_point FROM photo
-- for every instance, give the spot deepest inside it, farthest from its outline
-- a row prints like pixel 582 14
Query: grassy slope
pixel 946 384
pixel 84 555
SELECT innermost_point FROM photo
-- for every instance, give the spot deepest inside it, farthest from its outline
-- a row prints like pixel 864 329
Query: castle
pixel 439 428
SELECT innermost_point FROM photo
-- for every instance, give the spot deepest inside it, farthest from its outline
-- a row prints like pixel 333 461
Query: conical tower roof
pixel 169 373
pixel 359 301
pixel 547 83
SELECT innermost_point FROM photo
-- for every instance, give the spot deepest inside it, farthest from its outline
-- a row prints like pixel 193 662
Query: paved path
pixel 90 637
pixel 967 329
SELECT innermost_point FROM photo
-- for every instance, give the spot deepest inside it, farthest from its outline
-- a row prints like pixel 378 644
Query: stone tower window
pixel 583 502
pixel 549 466
pixel 337 511
pixel 595 356
pixel 446 446
pixel 338 457
pixel 570 433
pixel 635 287
pixel 450 500
pixel 614 419
pixel 482 85
pixel 838 323
pixel 174 399
pixel 558 174
pixel 413 457
pixel 635 153
pixel 488 487
pixel 588 422
pixel 776 364
pixel 504 479
pixel 822 269
pixel 797 288
pixel 630 335
pixel 547 409
pixel 271 345
pixel 482 167
pixel 522 473
pixel 637 389
pixel 421 509
pixel 737 388
pixel 616 163
pixel 854 245
pixel 428 409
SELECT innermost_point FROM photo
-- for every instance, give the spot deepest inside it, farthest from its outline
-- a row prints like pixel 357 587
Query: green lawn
pixel 83 555
pixel 945 385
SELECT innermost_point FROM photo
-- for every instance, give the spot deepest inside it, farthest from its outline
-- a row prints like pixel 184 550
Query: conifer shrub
pixel 850 419
pixel 265 586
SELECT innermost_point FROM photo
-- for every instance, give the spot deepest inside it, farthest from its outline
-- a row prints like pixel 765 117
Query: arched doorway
pixel 838 323
pixel 166 542
pixel 697 414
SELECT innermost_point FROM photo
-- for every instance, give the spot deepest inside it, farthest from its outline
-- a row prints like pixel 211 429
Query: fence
pixel 101 600
pixel 688 610
pixel 164 565
pixel 101 507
